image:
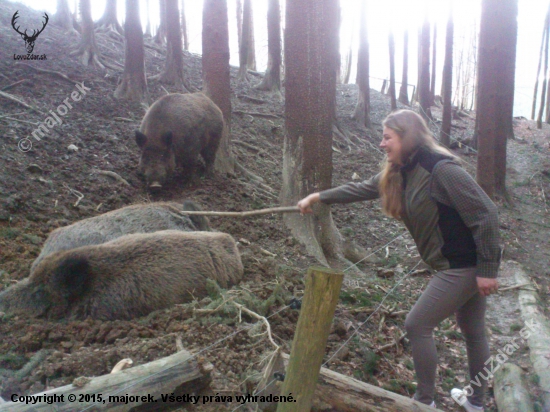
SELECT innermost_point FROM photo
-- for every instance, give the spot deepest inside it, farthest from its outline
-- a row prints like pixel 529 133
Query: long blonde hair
pixel 414 133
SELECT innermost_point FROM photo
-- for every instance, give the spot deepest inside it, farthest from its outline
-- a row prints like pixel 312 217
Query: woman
pixel 455 228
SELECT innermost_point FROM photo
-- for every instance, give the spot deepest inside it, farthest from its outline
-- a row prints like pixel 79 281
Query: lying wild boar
pixel 141 218
pixel 126 278
pixel 175 130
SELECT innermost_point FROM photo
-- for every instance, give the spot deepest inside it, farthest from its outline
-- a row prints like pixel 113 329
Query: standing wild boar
pixel 126 278
pixel 175 129
pixel 140 218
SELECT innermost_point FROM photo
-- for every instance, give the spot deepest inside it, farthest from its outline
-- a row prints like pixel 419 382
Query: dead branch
pixel 257 114
pixel 124 119
pixel 16 100
pixel 262 318
pixel 392 344
pixel 247 172
pixel 114 176
pixel 283 209
pixel 179 343
pixel 9 86
pixel 20 121
pixel 79 195
pixel 123 364
pixel 251 99
pixel 55 73
pixel 513 287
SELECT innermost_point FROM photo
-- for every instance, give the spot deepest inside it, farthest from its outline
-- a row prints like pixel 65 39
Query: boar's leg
pixel 208 153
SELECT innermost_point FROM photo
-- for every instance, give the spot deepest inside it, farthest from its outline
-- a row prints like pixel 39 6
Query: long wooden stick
pixel 284 209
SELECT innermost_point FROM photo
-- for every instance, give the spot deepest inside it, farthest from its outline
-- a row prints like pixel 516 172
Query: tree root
pixel 16 100
pixel 114 175
pixel 55 73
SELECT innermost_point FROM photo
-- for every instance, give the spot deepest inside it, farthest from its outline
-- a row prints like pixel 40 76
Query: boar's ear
pixel 72 277
pixel 141 139
pixel 167 139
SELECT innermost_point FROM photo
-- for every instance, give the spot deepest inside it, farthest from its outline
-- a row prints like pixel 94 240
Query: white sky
pixel 382 16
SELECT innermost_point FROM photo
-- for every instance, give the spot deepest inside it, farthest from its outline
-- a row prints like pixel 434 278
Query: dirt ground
pixel 51 186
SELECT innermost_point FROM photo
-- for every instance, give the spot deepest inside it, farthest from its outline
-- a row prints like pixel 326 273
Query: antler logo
pixel 29 40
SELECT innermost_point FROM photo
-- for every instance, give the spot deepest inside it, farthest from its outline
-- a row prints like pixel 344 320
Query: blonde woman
pixel 455 227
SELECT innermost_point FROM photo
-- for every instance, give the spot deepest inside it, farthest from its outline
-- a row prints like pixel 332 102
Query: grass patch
pixel 9 233
pixel 515 327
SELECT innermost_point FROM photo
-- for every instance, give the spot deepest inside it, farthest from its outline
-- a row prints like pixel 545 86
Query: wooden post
pixel 308 347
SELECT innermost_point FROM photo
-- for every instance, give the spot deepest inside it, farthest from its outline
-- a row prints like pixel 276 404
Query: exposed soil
pixel 38 193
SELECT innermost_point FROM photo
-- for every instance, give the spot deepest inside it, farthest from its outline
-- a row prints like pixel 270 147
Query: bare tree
pixel 445 136
pixel 434 49
pixel 87 49
pixel 246 37
pixel 148 24
pixel 496 66
pixel 215 73
pixel 239 11
pixel 173 71
pixel 134 83
pixel 543 42
pixel 362 108
pixel 109 19
pixel 63 16
pixel 160 36
pixel 309 114
pixel 391 44
pixel 424 73
pixel 403 91
pixel 184 27
pixel 272 78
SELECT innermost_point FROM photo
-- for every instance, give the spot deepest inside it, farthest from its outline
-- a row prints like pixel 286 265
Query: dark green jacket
pixel 452 221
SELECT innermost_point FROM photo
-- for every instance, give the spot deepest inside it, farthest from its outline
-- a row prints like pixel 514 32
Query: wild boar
pixel 126 278
pixel 175 130
pixel 139 218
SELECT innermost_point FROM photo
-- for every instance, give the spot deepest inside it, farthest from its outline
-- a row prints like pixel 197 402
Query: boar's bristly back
pixel 201 222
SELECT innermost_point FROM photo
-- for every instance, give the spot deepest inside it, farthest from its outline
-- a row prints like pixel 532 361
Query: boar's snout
pixel 155 186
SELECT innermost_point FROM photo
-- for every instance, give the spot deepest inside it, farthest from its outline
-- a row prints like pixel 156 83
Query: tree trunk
pixel 434 49
pixel 184 27
pixel 272 78
pixel 309 114
pixel 404 91
pixel 87 49
pixel 496 66
pixel 391 43
pixel 173 71
pixel 134 83
pixel 239 11
pixel 215 73
pixel 543 42
pixel 362 108
pixel 148 24
pixel 544 82
pixel 160 36
pixel 63 16
pixel 246 36
pixel 251 60
pixel 109 18
pixel 347 71
pixel 445 137
pixel 424 74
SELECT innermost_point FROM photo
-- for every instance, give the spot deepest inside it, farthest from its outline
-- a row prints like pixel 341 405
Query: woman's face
pixel 391 143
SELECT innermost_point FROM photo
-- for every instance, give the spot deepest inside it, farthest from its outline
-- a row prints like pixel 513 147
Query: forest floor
pixel 37 195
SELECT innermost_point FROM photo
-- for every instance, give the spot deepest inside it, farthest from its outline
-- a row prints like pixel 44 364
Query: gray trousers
pixel 449 291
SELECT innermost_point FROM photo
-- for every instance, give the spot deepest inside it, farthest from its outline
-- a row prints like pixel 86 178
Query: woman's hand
pixel 487 286
pixel 305 204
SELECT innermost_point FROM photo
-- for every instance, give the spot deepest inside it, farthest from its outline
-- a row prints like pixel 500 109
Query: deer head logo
pixel 29 40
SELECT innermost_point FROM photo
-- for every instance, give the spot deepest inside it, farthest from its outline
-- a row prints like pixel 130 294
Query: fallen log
pixel 538 334
pixel 511 392
pixel 340 393
pixel 178 374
